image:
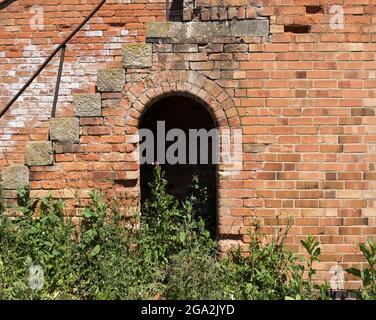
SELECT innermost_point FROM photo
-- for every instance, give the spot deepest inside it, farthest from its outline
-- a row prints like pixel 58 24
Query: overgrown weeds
pixel 172 255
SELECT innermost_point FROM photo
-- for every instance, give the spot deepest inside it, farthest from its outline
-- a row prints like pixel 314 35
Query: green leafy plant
pixel 172 255
pixel 313 249
pixel 194 274
pixel 26 205
pixel 270 271
pixel 368 275
pixel 42 239
pixel 170 225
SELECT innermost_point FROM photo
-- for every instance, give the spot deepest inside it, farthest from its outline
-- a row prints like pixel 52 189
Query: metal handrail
pixel 44 64
pixel 6 3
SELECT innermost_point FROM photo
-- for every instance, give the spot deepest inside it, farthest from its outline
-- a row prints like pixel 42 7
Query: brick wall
pixel 303 95
pixel 23 47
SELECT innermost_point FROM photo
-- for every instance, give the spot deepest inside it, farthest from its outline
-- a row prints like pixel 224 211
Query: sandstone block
pixel 38 153
pixel 137 55
pixel 87 105
pixel 200 32
pixel 65 129
pixel 111 80
pixel 15 176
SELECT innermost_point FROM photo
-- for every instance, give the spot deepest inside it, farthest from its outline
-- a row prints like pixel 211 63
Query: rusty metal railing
pixel 5 3
pixel 61 48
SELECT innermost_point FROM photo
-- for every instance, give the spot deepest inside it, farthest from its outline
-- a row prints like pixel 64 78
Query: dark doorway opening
pixel 180 112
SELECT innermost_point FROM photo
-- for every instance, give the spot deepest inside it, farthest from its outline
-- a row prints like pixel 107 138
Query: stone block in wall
pixel 166 29
pixel 15 176
pixel 200 32
pixel 65 129
pixel 87 105
pixel 111 80
pixel 137 55
pixel 38 153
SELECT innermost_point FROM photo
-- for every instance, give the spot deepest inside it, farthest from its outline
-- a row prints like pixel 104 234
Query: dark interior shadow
pixel 175 11
pixel 185 114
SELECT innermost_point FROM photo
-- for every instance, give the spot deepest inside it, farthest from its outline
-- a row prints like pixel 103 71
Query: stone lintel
pixel 205 32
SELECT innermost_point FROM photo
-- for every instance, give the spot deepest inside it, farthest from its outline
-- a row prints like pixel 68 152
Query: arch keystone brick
pixel 15 176
pixel 137 55
pixel 65 129
pixel 111 80
pixel 87 105
pixel 38 153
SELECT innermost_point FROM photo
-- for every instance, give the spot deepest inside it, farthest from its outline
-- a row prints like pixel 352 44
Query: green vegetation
pixel 170 256
pixel 368 276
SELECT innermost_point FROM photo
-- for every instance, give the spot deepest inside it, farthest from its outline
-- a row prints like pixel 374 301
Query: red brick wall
pixel 307 98
pixel 23 48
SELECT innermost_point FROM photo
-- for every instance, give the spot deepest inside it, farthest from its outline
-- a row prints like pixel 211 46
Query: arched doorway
pixel 187 115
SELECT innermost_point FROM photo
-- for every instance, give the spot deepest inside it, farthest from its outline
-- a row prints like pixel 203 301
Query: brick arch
pixel 220 105
pixel 219 117
pixel 185 83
